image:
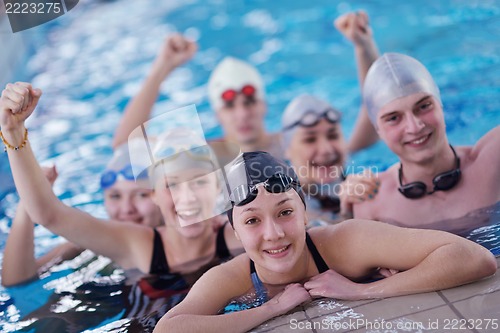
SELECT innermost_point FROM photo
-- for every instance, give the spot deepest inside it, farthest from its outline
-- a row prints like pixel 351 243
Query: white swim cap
pixel 393 76
pixel 232 73
pixel 305 110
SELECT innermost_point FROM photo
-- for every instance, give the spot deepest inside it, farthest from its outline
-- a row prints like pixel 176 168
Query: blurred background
pixel 92 60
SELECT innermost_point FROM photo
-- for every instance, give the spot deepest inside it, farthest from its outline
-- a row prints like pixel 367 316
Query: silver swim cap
pixel 393 76
pixel 305 110
pixel 232 73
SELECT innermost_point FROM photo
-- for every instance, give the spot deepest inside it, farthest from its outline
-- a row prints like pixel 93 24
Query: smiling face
pixel 243 119
pixel 413 127
pixel 187 197
pixel 318 152
pixel 131 201
pixel 272 230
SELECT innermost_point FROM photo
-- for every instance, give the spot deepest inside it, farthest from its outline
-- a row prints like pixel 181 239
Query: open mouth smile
pixel 188 214
pixel 419 141
pixel 277 251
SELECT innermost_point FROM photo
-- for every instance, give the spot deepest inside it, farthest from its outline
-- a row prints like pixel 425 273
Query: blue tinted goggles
pixel 109 177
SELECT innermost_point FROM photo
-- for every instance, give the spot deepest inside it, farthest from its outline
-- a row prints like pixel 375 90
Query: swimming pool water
pixel 92 60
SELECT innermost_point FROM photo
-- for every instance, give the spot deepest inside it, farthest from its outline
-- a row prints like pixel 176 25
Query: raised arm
pixel 355 27
pixel 427 260
pixel 198 311
pixel 175 51
pixel 19 264
pixel 113 239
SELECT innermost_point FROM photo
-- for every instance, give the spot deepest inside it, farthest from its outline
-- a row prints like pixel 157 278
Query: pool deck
pixel 448 310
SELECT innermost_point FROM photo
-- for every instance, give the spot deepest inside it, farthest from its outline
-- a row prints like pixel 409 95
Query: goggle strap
pixel 454 174
pixel 285 181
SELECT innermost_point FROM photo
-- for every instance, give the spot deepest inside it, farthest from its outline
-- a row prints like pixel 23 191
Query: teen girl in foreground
pixel 285 266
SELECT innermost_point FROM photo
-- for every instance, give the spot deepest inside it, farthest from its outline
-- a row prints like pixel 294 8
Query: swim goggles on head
pixel 109 177
pixel 229 95
pixel 443 182
pixel 278 183
pixel 312 118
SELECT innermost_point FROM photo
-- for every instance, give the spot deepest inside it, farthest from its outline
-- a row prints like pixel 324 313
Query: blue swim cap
pixel 393 76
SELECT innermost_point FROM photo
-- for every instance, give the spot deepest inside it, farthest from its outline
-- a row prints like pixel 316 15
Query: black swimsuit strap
pixel 159 264
pixel 252 267
pixel 318 259
pixel 222 251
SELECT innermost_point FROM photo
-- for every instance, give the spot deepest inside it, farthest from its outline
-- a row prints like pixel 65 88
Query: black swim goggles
pixel 312 118
pixel 443 182
pixel 109 177
pixel 278 183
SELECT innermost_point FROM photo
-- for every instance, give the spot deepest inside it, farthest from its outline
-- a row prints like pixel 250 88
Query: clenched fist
pixel 16 104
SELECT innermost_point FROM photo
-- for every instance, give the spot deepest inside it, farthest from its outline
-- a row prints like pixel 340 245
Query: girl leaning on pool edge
pixel 284 266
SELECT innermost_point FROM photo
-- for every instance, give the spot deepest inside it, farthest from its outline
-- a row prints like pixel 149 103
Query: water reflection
pixel 97 294
pixel 481 226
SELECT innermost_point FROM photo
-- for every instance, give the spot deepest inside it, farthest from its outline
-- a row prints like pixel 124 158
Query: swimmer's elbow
pixel 481 262
pixel 44 218
pixel 488 265
pixel 172 322
pixel 51 216
pixel 9 282
pixel 5 282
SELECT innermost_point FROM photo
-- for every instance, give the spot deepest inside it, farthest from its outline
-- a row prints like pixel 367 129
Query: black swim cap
pixel 253 168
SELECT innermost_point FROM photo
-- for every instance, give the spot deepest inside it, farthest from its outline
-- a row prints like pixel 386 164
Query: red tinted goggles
pixel 230 94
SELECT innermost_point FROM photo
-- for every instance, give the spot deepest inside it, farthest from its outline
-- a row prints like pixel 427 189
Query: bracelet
pixel 8 145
